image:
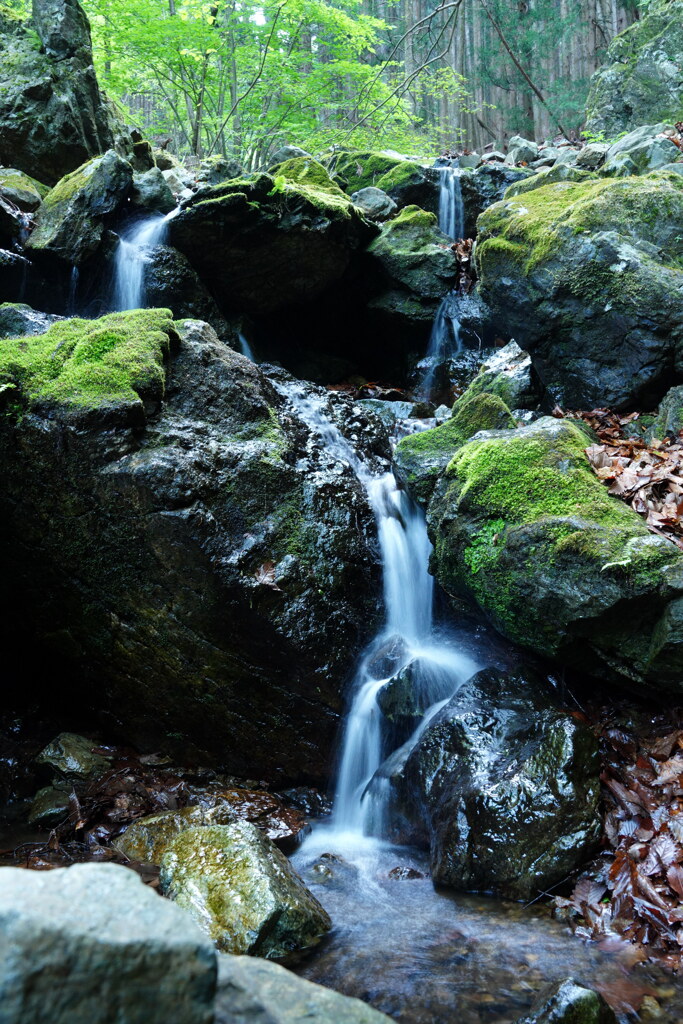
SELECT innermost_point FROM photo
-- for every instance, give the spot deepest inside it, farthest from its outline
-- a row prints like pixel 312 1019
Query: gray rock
pixel 592 156
pixel 71 756
pixel 510 375
pixel 495 156
pixel 568 155
pixel 508 787
pixel 669 420
pixel 521 151
pixel 547 156
pixel 640 78
pixel 242 891
pixel 18 319
pixel 152 192
pixel 643 150
pixel 216 169
pixel 253 991
pixel 375 204
pixel 91 943
pixel 286 153
pixel 570 1003
pixel 469 160
pixel 675 168
pixel 52 115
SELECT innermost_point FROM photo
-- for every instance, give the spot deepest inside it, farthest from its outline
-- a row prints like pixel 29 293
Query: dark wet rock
pixel 484 186
pixel 570 1003
pixel 508 786
pixel 20 189
pixel 308 800
pixel 509 374
pixel 408 183
pixel 147 961
pixel 15 271
pixel 523 528
pixel 13 225
pixel 71 220
pixel 71 756
pixel 242 891
pixel 400 874
pixel 253 991
pixel 172 283
pixel 210 571
pixel 669 420
pixel 261 246
pixel 521 151
pixel 586 276
pixel 18 319
pixel 640 79
pixel 375 204
pixel 151 192
pixel 52 114
pixel 49 807
pixel 421 458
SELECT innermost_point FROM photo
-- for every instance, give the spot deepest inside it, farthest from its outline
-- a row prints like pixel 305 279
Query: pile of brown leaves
pixel 636 890
pixel 646 475
pixel 466 272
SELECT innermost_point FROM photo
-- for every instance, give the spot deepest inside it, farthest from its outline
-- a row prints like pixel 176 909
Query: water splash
pixel 131 258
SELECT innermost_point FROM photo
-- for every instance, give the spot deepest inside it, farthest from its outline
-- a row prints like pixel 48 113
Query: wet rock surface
pixel 571 1003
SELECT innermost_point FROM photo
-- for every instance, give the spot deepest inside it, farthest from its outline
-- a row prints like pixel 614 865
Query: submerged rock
pixel 570 1003
pixel 640 79
pixel 523 527
pixel 242 891
pixel 210 570
pixel 75 940
pixel 52 114
pixel 586 276
pixel 508 787
pixel 265 242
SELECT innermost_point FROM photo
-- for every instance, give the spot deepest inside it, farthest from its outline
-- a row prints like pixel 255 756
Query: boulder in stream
pixel 91 942
pixel 242 891
pixel 570 1003
pixel 508 786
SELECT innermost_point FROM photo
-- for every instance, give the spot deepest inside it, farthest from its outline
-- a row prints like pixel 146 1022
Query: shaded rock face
pixel 587 277
pixel 210 571
pixel 52 114
pixel 484 186
pixel 242 891
pixel 508 787
pixel 75 939
pixel 522 527
pixel 251 990
pixel 171 282
pixel 261 246
pixel 642 77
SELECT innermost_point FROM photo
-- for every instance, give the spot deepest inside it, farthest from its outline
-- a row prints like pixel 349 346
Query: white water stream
pixel 131 259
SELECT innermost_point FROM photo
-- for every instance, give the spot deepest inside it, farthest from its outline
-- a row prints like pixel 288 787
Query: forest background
pixel 244 77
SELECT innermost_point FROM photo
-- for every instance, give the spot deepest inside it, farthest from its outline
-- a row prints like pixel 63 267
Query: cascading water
pixel 407 643
pixel 247 350
pixel 131 257
pixel 444 341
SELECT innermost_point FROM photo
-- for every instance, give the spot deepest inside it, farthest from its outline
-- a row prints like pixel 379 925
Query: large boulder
pixel 587 277
pixel 171 282
pixel 52 115
pixel 268 242
pixel 407 182
pixel 71 221
pixel 485 185
pixel 523 528
pixel 20 189
pixel 643 150
pixel 210 569
pixel 242 891
pixel 91 943
pixel 641 79
pixel 508 787
pixel 251 991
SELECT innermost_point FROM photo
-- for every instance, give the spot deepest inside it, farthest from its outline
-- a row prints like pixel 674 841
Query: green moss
pixel 549 176
pixel 401 174
pixel 362 168
pixel 68 186
pixel 306 171
pixel 17 180
pixel 117 359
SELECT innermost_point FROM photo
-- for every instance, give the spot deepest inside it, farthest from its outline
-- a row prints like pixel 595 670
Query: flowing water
pixel 131 259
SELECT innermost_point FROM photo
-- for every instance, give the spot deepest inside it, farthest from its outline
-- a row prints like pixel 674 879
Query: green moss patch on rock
pixel 421 458
pixel 522 526
pixel 548 176
pixel 306 171
pixel 24 191
pixel 414 254
pixel 87 364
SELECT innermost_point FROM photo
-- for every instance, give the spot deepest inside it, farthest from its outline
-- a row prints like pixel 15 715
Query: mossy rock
pixel 523 527
pixel 508 373
pixel 421 458
pixel 307 171
pixel 415 255
pixel 243 892
pixel 586 276
pixel 24 191
pixel 116 361
pixel 148 839
pixel 70 222
pixel 407 182
pixel 362 168
pixel 548 176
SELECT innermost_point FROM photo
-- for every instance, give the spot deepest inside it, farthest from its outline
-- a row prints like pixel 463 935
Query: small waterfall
pixel 131 256
pixel 451 208
pixel 407 642
pixel 73 289
pixel 246 348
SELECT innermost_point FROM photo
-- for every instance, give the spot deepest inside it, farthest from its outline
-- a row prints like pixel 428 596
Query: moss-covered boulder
pixel 640 80
pixel 522 527
pixel 547 176
pixel 175 537
pixel 407 182
pixel 71 220
pixel 22 190
pixel 509 374
pixel 148 839
pixel 243 892
pixel 645 149
pixel 421 458
pixel 669 421
pixel 52 114
pixel 507 785
pixel 267 242
pixel 587 277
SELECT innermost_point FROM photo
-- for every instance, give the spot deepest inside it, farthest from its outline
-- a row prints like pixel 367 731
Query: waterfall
pixel 131 257
pixel 406 643
pixel 444 341
pixel 246 348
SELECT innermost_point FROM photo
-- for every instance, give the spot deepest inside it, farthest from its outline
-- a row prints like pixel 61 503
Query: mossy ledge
pixel 90 364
